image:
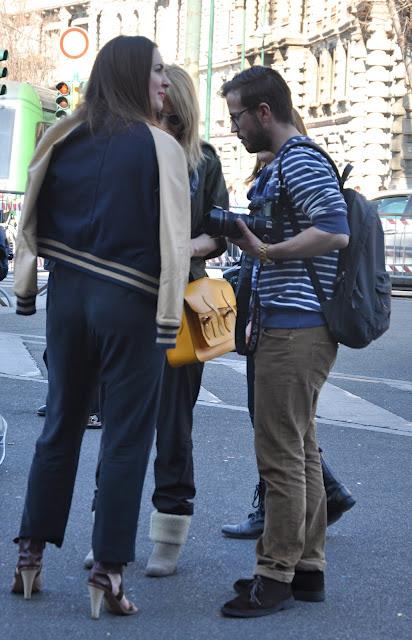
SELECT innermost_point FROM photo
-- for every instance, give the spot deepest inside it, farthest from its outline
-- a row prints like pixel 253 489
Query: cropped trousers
pixel 173 468
pixel 95 330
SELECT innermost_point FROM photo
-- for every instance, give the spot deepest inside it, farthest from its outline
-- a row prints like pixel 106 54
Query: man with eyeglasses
pixel 295 351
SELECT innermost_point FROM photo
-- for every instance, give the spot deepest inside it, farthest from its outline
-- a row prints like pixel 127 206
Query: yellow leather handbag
pixel 208 324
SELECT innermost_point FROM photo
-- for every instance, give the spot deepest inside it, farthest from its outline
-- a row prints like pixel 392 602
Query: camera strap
pixel 247 308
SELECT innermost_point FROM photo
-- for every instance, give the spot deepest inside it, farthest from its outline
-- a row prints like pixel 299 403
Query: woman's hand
pixel 202 246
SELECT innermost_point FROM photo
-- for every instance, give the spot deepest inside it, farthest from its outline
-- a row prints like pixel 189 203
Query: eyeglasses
pixel 173 118
pixel 235 117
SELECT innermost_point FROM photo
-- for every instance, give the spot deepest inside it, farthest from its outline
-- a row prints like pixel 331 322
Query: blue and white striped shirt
pixel 286 295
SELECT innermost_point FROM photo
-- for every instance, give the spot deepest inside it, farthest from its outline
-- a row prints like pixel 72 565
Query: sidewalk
pixel 369 551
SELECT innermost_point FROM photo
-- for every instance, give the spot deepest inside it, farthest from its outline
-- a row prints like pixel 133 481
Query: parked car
pixel 395 211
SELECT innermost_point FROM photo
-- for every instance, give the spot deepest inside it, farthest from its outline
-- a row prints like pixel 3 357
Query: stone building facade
pixel 340 58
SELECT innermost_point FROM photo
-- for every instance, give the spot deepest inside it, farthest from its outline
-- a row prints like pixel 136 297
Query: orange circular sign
pixel 74 42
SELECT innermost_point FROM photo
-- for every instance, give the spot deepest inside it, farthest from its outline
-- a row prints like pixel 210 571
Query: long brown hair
pixel 118 89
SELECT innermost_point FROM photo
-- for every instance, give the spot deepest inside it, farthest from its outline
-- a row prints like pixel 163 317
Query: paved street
pixel 365 429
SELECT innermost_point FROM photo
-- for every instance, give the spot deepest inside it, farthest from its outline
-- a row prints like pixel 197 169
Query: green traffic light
pixel 4 54
pixel 3 89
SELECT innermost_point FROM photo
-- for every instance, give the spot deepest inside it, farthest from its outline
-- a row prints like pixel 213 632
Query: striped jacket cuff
pixel 166 336
pixel 26 306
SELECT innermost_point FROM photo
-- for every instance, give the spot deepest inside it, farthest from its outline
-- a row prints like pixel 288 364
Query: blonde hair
pixel 181 96
pixel 298 123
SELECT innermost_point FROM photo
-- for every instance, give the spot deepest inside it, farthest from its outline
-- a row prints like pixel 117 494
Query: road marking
pixel 15 360
pixel 207 397
pixel 338 406
pixel 402 385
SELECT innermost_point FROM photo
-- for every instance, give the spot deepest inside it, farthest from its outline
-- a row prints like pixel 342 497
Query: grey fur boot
pixel 169 533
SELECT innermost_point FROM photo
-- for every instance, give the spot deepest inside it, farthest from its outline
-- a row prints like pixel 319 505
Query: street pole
pixel 262 54
pixel 192 48
pixel 243 52
pixel 209 69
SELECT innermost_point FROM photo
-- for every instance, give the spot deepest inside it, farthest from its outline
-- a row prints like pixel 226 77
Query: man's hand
pixel 248 241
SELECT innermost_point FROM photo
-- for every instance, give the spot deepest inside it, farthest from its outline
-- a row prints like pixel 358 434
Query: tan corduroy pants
pixel 291 367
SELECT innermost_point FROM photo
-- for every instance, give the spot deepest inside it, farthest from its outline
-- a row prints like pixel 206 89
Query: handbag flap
pixel 210 306
pixel 206 294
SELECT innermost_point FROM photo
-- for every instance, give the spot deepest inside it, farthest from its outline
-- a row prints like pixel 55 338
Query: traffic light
pixel 4 54
pixel 63 99
pixel 76 97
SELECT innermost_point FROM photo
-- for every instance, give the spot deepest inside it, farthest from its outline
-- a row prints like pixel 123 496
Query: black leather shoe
pixel 338 503
pixel 263 598
pixel 339 498
pixel 41 411
pixel 307 586
pixel 252 527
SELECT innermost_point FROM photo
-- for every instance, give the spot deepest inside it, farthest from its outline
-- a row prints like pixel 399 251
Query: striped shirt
pixel 285 290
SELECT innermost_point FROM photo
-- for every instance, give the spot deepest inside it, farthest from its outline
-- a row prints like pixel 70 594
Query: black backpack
pixel 360 308
pixel 4 254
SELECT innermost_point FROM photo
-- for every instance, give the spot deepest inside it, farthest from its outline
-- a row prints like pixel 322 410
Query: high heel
pixel 96 599
pixel 105 580
pixel 27 575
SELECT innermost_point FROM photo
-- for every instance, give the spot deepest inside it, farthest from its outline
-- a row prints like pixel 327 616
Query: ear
pixel 264 111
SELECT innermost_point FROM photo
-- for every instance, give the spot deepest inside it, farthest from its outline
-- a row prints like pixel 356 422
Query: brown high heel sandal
pixel 102 583
pixel 27 575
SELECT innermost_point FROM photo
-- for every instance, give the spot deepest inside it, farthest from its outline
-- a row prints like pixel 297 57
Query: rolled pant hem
pixel 310 565
pixel 58 542
pixel 274 574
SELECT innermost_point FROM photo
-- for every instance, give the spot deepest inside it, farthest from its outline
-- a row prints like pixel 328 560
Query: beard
pixel 257 140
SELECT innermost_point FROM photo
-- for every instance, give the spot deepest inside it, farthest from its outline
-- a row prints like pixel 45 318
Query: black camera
pixel 220 222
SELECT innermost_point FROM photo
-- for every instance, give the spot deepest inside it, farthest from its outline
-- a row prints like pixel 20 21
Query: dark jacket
pixel 114 206
pixel 110 207
pixel 211 190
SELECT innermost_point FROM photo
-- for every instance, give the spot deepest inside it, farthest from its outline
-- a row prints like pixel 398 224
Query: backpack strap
pixel 284 200
pixel 316 147
pixel 307 261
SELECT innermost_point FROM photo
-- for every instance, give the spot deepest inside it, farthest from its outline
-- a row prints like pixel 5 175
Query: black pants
pixel 95 329
pixel 250 376
pixel 95 402
pixel 175 487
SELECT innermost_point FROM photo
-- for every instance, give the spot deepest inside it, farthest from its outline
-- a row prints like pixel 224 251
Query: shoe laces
pixel 255 515
pixel 257 588
pixel 259 496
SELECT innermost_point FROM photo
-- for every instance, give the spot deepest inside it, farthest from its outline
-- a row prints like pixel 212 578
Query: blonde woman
pixel 175 488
